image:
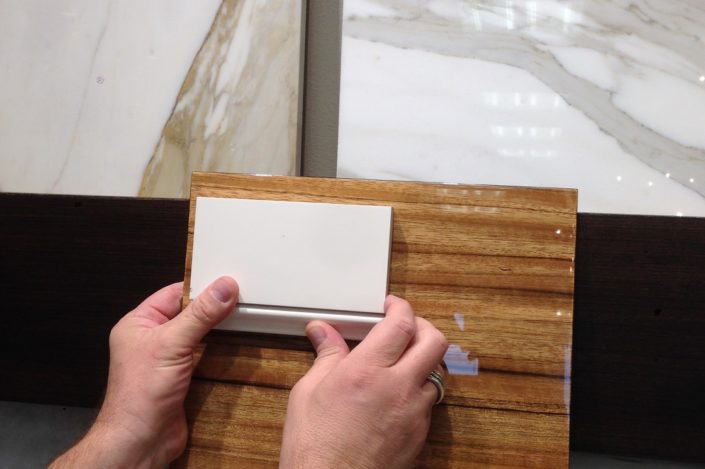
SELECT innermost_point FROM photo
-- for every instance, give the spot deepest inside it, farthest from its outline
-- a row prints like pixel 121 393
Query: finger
pixel 388 339
pixel 162 305
pixel 208 309
pixel 429 394
pixel 330 347
pixel 425 353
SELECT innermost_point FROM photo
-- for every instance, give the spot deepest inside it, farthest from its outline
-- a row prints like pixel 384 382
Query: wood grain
pixel 492 267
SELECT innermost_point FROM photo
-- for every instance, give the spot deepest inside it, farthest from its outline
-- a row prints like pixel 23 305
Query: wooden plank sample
pixel 492 267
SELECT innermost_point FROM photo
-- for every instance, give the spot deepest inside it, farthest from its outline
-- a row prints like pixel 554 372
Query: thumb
pixel 202 314
pixel 329 344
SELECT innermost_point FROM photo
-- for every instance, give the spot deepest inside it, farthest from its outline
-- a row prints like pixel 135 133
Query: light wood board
pixel 492 267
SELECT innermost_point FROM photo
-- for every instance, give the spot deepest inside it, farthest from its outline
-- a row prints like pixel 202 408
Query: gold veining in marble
pixel 239 107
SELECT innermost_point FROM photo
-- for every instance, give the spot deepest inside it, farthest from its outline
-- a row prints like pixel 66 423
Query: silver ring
pixel 437 380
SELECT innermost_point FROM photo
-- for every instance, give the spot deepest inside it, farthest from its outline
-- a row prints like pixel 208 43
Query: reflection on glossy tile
pixel 458 362
pixel 587 94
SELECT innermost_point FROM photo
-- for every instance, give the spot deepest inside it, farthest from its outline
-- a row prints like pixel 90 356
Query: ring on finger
pixel 437 380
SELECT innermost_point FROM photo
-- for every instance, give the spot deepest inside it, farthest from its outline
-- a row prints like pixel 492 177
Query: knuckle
pixel 303 390
pixel 201 312
pixel 115 334
pixel 440 340
pixel 327 352
pixel 300 388
pixel 403 304
pixel 407 326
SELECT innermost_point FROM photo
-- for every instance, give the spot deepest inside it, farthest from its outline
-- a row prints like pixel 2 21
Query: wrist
pixel 108 445
pixel 323 455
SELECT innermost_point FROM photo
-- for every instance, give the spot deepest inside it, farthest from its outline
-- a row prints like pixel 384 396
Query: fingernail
pixel 316 335
pixel 222 291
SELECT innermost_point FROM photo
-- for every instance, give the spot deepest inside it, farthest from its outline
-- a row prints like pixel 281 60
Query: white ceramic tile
pixel 294 254
pixel 599 95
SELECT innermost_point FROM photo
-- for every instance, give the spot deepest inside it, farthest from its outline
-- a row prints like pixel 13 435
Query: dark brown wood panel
pixel 70 267
pixel 639 336
pixel 76 264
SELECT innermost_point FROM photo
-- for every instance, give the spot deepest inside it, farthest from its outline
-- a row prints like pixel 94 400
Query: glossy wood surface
pixel 492 267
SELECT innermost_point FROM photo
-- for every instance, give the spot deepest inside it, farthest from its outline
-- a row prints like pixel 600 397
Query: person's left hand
pixel 142 422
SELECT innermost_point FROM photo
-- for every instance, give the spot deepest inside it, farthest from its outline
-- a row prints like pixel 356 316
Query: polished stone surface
pixel 126 98
pixel 238 110
pixel 600 95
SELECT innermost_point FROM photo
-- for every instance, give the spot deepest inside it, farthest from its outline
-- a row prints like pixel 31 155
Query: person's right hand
pixel 370 407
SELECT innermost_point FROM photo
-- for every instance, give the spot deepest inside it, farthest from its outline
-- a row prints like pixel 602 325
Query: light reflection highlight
pixel 458 362
pixel 517 15
pixel 516 100
pixel 459 320
pixel 477 20
pixel 510 14
pixel 532 14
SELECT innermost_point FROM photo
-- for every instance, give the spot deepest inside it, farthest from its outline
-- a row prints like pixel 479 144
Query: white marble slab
pixel 601 95
pixel 126 98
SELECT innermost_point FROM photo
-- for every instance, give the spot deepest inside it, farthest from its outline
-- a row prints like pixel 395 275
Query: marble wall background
pixel 601 95
pixel 128 97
